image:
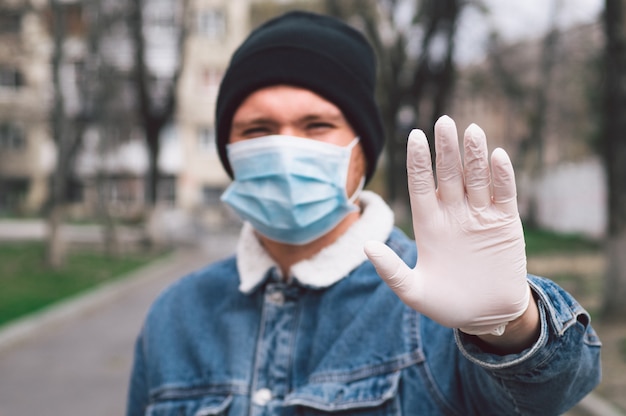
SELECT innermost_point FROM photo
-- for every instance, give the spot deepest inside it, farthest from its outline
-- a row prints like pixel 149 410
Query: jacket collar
pixel 329 265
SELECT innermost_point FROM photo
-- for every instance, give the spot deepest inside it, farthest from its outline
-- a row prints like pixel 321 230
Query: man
pixel 299 321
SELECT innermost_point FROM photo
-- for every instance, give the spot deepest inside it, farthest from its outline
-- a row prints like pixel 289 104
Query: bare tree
pixel 67 137
pixel 156 93
pixel 99 102
pixel 614 145
pixel 416 71
pixel 105 80
pixel 532 146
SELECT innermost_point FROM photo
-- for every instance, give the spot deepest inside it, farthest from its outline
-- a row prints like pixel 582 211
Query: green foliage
pixel 543 242
pixel 27 285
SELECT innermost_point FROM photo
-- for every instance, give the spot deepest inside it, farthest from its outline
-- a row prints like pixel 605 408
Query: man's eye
pixel 256 132
pixel 319 126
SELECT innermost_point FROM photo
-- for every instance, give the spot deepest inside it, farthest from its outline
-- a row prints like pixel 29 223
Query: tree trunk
pixel 55 252
pixel 56 248
pixel 614 305
pixel 153 174
pixel 532 149
pixel 154 112
pixel 615 281
pixel 109 234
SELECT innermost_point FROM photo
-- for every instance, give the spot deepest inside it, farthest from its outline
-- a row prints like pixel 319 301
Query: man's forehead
pixel 286 101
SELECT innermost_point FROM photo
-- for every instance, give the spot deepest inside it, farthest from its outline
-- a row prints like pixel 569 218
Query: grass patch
pixel 27 285
pixel 622 349
pixel 543 242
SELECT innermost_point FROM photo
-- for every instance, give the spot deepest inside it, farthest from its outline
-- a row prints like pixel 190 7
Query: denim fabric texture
pixel 353 348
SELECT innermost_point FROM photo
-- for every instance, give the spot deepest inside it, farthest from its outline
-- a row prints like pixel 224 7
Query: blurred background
pixel 107 141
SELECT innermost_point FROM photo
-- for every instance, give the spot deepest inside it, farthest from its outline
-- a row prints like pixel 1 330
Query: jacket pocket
pixel 204 406
pixel 371 396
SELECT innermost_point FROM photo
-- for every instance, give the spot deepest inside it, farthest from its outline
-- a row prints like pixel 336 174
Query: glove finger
pixel 477 174
pixel 390 267
pixel 420 178
pixel 450 185
pixel 504 190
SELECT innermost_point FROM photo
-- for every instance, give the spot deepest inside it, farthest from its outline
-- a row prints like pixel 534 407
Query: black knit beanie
pixel 312 51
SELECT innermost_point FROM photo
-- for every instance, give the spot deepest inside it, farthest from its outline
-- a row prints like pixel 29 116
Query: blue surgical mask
pixel 291 189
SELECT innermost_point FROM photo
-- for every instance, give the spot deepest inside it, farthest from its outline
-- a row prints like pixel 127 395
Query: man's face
pixel 297 112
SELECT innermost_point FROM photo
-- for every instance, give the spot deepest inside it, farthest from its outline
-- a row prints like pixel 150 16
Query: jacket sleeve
pixel 137 400
pixel 549 377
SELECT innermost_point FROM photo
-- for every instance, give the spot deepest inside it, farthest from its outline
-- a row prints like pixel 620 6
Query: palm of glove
pixel 471 268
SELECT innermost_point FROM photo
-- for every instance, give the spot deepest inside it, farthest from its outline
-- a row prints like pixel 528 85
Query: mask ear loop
pixel 358 191
pixel 353 143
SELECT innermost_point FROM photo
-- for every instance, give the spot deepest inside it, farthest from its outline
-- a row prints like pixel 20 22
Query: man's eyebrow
pixel 337 117
pixel 253 120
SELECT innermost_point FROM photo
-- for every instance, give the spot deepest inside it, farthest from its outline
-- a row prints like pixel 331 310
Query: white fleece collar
pixel 329 265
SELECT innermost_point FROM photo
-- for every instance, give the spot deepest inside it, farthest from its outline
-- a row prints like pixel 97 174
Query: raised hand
pixel 471 267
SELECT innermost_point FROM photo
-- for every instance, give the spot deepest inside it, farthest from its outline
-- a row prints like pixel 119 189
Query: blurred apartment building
pixel 192 176
pixel 26 149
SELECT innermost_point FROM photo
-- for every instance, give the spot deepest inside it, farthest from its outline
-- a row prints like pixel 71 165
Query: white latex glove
pixel 471 267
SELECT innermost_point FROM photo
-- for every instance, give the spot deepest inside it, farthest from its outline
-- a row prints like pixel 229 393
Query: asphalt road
pixel 75 358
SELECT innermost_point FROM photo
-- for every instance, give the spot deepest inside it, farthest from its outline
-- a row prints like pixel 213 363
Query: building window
pixel 10 21
pixel 12 194
pixel 210 79
pixel 206 139
pixel 167 189
pixel 74 191
pixel 211 195
pixel 211 24
pixel 160 16
pixel 10 78
pixel 75 23
pixel 11 137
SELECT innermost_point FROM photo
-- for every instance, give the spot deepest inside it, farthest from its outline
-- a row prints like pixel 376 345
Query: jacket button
pixel 261 397
pixel 277 298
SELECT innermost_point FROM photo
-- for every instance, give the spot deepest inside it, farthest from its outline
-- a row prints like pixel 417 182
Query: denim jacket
pixel 350 348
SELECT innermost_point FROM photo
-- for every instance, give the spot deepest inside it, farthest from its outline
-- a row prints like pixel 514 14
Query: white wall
pixel 571 198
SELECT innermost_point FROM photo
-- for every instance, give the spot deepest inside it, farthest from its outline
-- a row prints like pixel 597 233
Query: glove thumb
pixel 390 267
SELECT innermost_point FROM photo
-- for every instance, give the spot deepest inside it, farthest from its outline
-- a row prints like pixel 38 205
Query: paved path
pixel 75 358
